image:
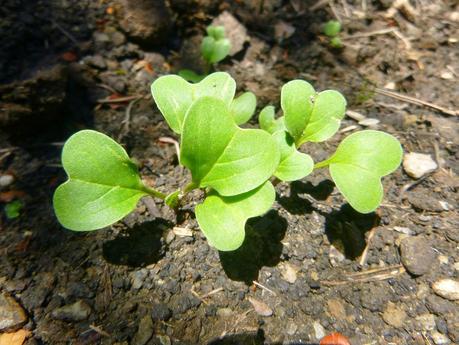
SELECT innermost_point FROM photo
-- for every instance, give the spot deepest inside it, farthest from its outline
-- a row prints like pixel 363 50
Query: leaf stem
pixel 154 192
pixel 322 164
pixel 189 187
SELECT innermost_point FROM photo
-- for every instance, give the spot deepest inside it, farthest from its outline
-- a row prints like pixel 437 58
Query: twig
pixel 119 100
pixel 363 258
pixel 368 276
pixel 355 115
pixel 127 119
pixel 345 8
pixel 6 154
pixel 212 292
pixel 168 140
pixel 106 87
pixel 198 297
pixel 416 101
pixel 65 32
pixel 334 11
pixel 318 5
pixel 99 330
pixel 369 34
pixel 264 287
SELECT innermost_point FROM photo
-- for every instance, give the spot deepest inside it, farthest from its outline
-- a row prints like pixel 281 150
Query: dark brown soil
pixel 138 281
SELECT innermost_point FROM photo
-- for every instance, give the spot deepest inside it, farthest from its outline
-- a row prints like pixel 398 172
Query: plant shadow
pixel 262 247
pixel 140 246
pixel 296 204
pixel 250 338
pixel 346 230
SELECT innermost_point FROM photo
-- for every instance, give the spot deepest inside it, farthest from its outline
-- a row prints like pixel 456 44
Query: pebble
pixel 319 330
pixel 394 315
pixel 335 256
pixel 138 278
pixel 416 255
pixel 224 312
pixel 144 332
pixel 261 308
pixel 439 306
pixel 288 273
pixel 96 61
pixel 118 38
pixel 161 312
pixel 447 288
pixel 426 322
pixel 12 315
pixel 336 309
pixel 75 312
pixel 6 180
pixel 417 165
pixel 440 339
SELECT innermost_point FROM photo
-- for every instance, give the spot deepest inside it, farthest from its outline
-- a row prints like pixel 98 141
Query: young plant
pixel 232 165
pixel 214 48
pixel 332 28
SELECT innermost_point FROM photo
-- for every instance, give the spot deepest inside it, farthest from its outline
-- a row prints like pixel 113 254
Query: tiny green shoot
pixel 13 209
pixel 233 166
pixel 332 29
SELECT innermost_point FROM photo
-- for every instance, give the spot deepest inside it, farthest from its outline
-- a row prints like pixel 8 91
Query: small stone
pixel 12 315
pixel 224 312
pixel 161 312
pixel 394 315
pixel 144 332
pixel 138 278
pixel 118 38
pixel 426 322
pixel 100 37
pixel 439 306
pixel 6 180
pixel 182 232
pixel 447 288
pixel 417 165
pixel 319 330
pixel 369 122
pixel 288 273
pixel 335 256
pixel 75 312
pixel 416 255
pixel 261 308
pixel 96 61
pixel 336 309
pixel 291 328
pixel 440 339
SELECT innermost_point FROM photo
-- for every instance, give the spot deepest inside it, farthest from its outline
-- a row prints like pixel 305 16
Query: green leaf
pixel 243 107
pixel 267 121
pixel 358 164
pixel 223 156
pixel 13 209
pixel 311 116
pixel 293 165
pixel 216 32
pixel 336 42
pixel 173 199
pixel 332 28
pixel 103 185
pixel 173 95
pixel 222 219
pixel 191 76
pixel 215 50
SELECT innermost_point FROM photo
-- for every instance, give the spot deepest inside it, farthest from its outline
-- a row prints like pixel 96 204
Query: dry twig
pixel 368 276
pixel 263 287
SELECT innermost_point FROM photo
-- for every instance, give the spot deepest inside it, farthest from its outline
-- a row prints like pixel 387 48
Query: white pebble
pixel 418 164
pixel 447 288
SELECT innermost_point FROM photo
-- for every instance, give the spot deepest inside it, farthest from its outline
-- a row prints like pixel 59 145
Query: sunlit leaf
pixel 267 121
pixel 243 107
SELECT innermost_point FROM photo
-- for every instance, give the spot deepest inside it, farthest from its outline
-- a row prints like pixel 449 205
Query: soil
pixel 316 265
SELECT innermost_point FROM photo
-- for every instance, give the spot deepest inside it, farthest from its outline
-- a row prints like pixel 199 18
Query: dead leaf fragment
pixel 261 308
pixel 15 338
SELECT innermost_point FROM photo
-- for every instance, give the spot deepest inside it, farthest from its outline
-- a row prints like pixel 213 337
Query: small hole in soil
pixel 262 247
pixel 346 230
pixel 140 246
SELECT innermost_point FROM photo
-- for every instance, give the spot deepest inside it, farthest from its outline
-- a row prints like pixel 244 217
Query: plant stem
pixel 189 187
pixel 322 164
pixel 154 192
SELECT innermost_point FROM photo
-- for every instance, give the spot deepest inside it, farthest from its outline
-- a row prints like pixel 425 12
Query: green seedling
pixel 233 166
pixel 13 209
pixel 332 29
pixel 214 48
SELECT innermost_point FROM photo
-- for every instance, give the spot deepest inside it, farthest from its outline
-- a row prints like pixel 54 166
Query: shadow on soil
pixel 262 247
pixel 249 339
pixel 346 230
pixel 295 204
pixel 140 246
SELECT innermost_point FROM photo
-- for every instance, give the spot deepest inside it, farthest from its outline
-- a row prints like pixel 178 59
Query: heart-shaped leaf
pixel 191 76
pixel 103 185
pixel 243 107
pixel 215 50
pixel 358 164
pixel 173 95
pixel 223 156
pixel 222 219
pixel 311 116
pixel 267 121
pixel 293 165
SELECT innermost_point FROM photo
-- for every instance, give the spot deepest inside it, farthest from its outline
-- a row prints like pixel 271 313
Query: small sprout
pixel 13 209
pixel 215 47
pixel 336 42
pixel 230 164
pixel 190 75
pixel 332 28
